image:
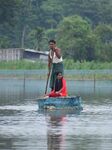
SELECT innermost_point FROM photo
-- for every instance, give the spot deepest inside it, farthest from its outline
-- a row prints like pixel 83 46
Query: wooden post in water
pixel 24 81
pixel 94 82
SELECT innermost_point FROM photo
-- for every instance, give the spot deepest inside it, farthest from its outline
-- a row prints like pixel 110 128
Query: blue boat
pixel 74 102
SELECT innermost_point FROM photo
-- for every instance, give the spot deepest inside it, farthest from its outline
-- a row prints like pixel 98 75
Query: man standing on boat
pixel 55 62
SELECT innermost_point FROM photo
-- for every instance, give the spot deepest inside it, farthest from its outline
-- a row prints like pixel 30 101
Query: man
pixel 60 88
pixel 55 62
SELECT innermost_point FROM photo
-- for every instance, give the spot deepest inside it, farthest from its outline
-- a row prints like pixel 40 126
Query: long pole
pixel 47 83
pixel 49 74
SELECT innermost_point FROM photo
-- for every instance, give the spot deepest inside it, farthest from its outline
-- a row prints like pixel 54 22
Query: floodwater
pixel 24 127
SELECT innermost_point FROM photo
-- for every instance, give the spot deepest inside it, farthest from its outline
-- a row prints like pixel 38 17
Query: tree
pixel 8 10
pixel 95 10
pixel 104 34
pixel 37 36
pixel 4 42
pixel 73 33
pixel 52 13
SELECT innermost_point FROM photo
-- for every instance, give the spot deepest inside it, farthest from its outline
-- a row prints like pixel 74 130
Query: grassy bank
pixel 75 70
pixel 68 64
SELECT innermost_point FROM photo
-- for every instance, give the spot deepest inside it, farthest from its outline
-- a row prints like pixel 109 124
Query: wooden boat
pixel 74 102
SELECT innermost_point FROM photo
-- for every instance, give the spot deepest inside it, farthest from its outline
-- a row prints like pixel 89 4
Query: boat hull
pixel 74 102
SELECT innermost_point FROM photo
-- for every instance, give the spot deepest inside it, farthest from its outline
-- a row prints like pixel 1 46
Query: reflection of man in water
pixel 55 136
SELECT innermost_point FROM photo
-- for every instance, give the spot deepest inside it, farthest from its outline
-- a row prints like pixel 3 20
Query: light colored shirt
pixel 55 58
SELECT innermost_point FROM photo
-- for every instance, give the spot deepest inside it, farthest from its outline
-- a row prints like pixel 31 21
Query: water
pixel 24 127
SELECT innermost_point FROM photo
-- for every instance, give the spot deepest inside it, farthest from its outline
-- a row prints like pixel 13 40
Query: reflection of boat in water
pixel 59 112
pixel 56 111
pixel 60 103
pixel 57 120
pixel 55 135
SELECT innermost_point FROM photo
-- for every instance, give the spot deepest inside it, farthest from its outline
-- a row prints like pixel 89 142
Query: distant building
pixel 18 53
pixel 11 54
pixel 34 55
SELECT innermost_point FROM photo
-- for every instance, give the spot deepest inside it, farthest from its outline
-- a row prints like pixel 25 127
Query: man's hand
pixel 57 52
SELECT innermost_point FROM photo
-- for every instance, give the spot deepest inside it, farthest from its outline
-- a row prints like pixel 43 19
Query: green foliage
pixel 71 23
pixel 37 36
pixel 68 64
pixel 22 64
pixel 104 34
pixel 73 35
pixel 7 10
pixel 4 42
pixel 53 13
pixel 51 33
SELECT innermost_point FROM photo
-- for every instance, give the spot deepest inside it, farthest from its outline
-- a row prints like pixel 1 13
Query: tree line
pixel 82 28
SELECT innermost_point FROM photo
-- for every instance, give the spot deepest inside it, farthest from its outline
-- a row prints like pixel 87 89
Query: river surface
pixel 24 127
